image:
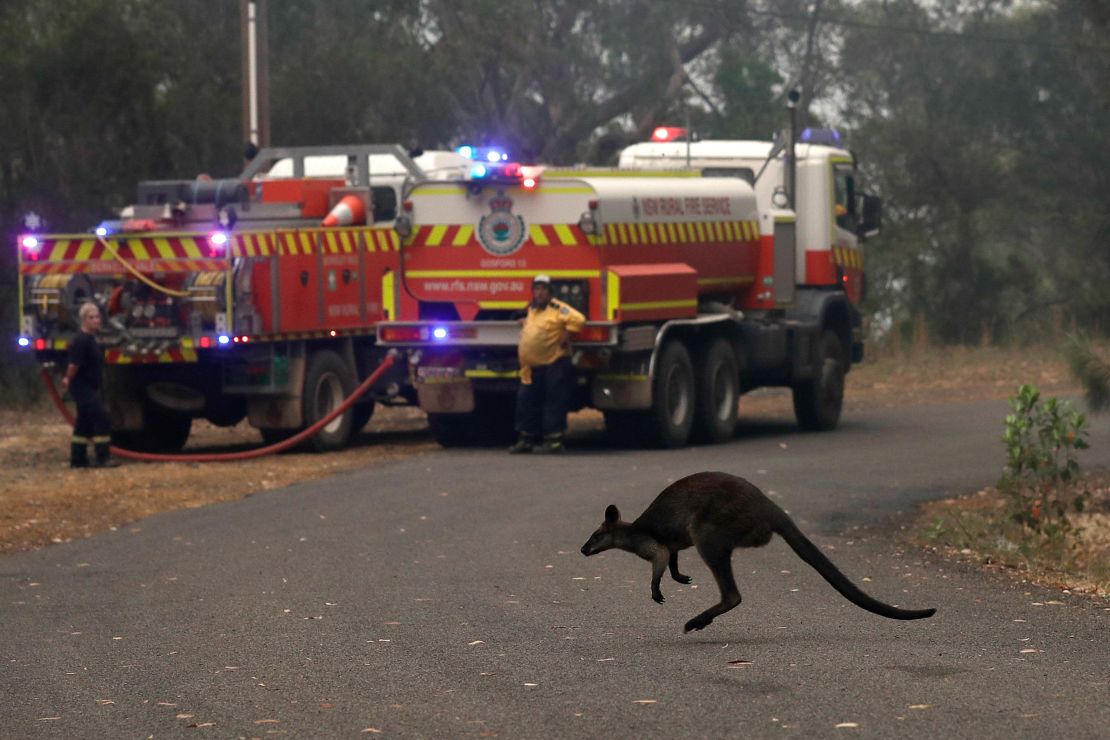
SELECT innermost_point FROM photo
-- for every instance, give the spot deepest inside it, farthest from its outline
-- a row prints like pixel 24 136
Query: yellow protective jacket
pixel 543 338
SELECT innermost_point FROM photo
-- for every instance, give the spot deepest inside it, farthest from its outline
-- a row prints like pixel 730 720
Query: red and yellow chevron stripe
pixel 308 241
pixel 162 253
pixel 177 354
pixel 465 235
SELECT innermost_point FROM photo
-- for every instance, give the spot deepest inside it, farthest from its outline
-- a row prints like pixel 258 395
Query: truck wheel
pixel 163 431
pixel 328 381
pixel 718 383
pixel 451 430
pixel 274 436
pixel 625 427
pixel 494 416
pixel 361 413
pixel 226 411
pixel 672 398
pixel 817 402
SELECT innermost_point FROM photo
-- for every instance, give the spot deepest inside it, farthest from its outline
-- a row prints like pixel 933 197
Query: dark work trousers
pixel 92 423
pixel 541 407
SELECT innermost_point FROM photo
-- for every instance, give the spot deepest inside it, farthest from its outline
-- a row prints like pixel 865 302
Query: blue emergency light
pixel 825 136
pixel 490 154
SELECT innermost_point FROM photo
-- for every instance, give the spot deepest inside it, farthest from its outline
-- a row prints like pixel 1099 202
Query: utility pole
pixel 256 72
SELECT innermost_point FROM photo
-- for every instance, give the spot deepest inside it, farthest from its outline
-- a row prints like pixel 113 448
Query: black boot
pixel 552 444
pixel 78 455
pixel 103 457
pixel 522 445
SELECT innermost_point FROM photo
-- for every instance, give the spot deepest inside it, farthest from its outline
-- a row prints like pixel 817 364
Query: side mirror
pixel 871 216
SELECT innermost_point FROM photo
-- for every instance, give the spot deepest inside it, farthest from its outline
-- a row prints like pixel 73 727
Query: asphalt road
pixel 444 596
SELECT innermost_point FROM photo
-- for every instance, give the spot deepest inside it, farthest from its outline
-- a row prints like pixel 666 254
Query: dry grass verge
pixel 978 528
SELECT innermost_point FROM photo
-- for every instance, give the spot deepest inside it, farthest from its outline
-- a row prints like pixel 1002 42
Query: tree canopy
pixel 978 121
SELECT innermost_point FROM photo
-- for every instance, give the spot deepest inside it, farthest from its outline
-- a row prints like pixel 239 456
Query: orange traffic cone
pixel 350 209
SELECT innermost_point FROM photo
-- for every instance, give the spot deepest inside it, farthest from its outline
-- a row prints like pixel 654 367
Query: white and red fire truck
pixel 705 269
pixel 254 296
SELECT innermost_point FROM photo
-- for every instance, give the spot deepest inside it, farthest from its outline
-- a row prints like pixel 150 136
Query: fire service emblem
pixel 500 232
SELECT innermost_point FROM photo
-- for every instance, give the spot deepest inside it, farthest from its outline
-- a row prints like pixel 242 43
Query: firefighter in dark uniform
pixel 83 380
pixel 546 373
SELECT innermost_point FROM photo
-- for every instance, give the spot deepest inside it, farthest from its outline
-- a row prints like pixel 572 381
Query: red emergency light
pixel 403 334
pixel 593 333
pixel 668 133
pixel 508 173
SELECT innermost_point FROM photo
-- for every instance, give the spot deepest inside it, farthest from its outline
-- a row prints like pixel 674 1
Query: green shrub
pixel 1042 439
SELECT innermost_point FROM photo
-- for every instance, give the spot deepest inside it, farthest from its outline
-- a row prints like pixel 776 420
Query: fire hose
pixel 285 444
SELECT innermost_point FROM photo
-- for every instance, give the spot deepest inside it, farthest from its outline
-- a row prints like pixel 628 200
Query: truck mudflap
pixel 621 391
pixel 444 390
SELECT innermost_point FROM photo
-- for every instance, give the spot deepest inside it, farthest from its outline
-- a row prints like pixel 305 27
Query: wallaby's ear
pixel 612 514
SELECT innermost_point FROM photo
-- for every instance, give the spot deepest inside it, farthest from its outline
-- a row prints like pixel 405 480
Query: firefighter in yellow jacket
pixel 546 373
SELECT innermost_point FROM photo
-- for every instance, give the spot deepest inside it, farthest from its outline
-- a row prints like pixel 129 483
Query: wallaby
pixel 716 513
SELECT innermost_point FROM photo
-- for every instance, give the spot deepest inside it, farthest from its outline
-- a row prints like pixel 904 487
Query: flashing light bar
pixel 669 133
pixel 40 344
pixel 489 154
pixel 528 177
pixel 825 136
pixel 23 342
pixel 224 339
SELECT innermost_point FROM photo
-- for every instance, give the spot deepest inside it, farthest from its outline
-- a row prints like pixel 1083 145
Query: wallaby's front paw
pixel 658 597
pixel 683 579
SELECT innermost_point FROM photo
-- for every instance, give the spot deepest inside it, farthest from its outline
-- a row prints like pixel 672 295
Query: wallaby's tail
pixel 810 553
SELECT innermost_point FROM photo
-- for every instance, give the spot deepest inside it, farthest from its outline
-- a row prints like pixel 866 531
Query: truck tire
pixel 718 392
pixel 226 411
pixel 274 436
pixel 361 413
pixel 671 416
pixel 817 402
pixel 625 427
pixel 450 430
pixel 163 431
pixel 327 383
pixel 495 416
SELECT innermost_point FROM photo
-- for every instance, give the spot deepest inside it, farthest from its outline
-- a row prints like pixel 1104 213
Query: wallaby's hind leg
pixel 658 567
pixel 719 561
pixel 674 570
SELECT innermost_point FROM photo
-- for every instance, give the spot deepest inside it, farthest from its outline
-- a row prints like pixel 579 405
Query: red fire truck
pixel 705 269
pixel 254 296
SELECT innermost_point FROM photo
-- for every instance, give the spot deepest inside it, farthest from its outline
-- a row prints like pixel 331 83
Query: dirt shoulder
pixel 43 501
